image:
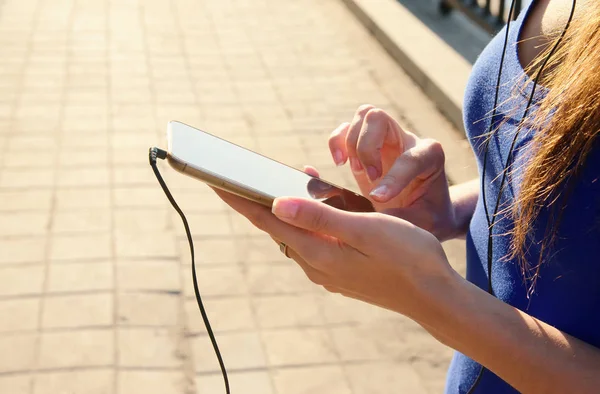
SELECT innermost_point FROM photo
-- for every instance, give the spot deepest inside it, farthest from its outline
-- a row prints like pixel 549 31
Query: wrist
pixel 463 199
pixel 436 293
pixel 440 303
pixel 451 228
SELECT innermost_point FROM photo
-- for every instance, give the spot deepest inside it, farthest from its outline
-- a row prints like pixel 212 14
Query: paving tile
pixel 148 348
pixel 92 157
pixel 218 281
pixel 211 251
pixel 246 382
pixel 15 384
pixel 145 245
pixel 77 139
pixel 141 220
pixel 134 176
pixel 128 156
pixel 288 311
pixel 278 279
pixel 338 309
pixel 132 117
pixel 356 343
pixel 288 347
pixel 150 196
pixel 84 112
pixel 239 350
pixel 78 247
pixel 433 374
pixel 26 200
pixel 76 348
pixel 22 178
pixel 225 314
pixel 34 143
pixel 90 139
pixel 90 177
pixel 69 277
pixel 381 378
pixel 82 124
pixel 17 352
pixel 67 199
pixel 149 275
pixel 22 250
pixel 76 311
pixel 94 381
pixel 81 221
pixel 21 281
pixel 29 160
pixel 204 224
pixel 147 309
pixel 22 315
pixel 153 382
pixel 308 380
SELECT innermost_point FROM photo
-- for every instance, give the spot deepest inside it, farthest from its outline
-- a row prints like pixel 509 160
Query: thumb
pixel 317 217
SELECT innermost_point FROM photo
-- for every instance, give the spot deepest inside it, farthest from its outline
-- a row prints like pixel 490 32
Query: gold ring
pixel 284 249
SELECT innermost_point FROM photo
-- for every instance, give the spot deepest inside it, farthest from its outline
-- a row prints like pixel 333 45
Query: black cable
pixel 153 154
pixel 494 110
pixel 490 290
pixel 492 220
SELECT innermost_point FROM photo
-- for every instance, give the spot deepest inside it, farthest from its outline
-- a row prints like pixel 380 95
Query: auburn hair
pixel 566 125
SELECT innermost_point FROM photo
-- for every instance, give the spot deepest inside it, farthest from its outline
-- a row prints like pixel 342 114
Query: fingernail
pixel 380 192
pixel 338 157
pixel 372 172
pixel 355 165
pixel 285 209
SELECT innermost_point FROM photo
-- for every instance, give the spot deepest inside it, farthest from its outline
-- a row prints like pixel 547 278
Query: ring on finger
pixel 283 247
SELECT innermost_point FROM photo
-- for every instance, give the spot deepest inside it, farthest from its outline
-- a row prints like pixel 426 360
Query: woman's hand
pixel 402 174
pixel 373 257
pixel 388 262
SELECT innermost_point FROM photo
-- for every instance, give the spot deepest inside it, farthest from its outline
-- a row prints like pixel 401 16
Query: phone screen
pixel 254 172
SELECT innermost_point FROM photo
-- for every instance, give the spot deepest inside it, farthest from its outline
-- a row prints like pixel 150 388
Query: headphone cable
pixel 153 154
pixel 492 220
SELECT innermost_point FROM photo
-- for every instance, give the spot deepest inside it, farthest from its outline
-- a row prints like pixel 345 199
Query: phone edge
pixel 217 182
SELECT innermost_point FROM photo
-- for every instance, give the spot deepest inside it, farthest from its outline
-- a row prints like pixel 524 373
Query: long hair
pixel 568 122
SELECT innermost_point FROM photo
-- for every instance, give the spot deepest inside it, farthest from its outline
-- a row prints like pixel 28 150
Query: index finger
pixel 377 130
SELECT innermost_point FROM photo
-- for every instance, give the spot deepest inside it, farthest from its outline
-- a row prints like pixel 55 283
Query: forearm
pixel 464 198
pixel 529 354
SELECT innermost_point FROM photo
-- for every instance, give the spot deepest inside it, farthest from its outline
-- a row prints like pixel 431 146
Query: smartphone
pixel 237 170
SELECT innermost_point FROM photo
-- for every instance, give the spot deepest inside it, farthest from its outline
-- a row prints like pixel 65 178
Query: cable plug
pixel 156 153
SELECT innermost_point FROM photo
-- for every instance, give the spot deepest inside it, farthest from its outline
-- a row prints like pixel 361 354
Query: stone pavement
pixel 95 292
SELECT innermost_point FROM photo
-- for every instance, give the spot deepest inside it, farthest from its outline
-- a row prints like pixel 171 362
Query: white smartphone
pixel 240 171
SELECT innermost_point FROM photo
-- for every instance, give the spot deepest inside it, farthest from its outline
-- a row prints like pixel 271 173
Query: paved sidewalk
pixel 95 292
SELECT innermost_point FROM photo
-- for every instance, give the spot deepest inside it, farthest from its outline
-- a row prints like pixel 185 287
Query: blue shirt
pixel 567 294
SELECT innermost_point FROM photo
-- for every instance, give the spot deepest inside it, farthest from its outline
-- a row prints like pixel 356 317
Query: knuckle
pixel 389 179
pixel 331 289
pixel 436 149
pixel 375 113
pixel 319 221
pixel 364 108
pixel 314 277
pixel 338 131
pixel 363 150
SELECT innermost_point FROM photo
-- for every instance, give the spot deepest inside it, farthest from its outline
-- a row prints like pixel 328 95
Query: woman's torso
pixel 567 293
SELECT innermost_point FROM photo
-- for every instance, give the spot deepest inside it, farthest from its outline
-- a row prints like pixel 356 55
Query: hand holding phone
pixel 237 170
